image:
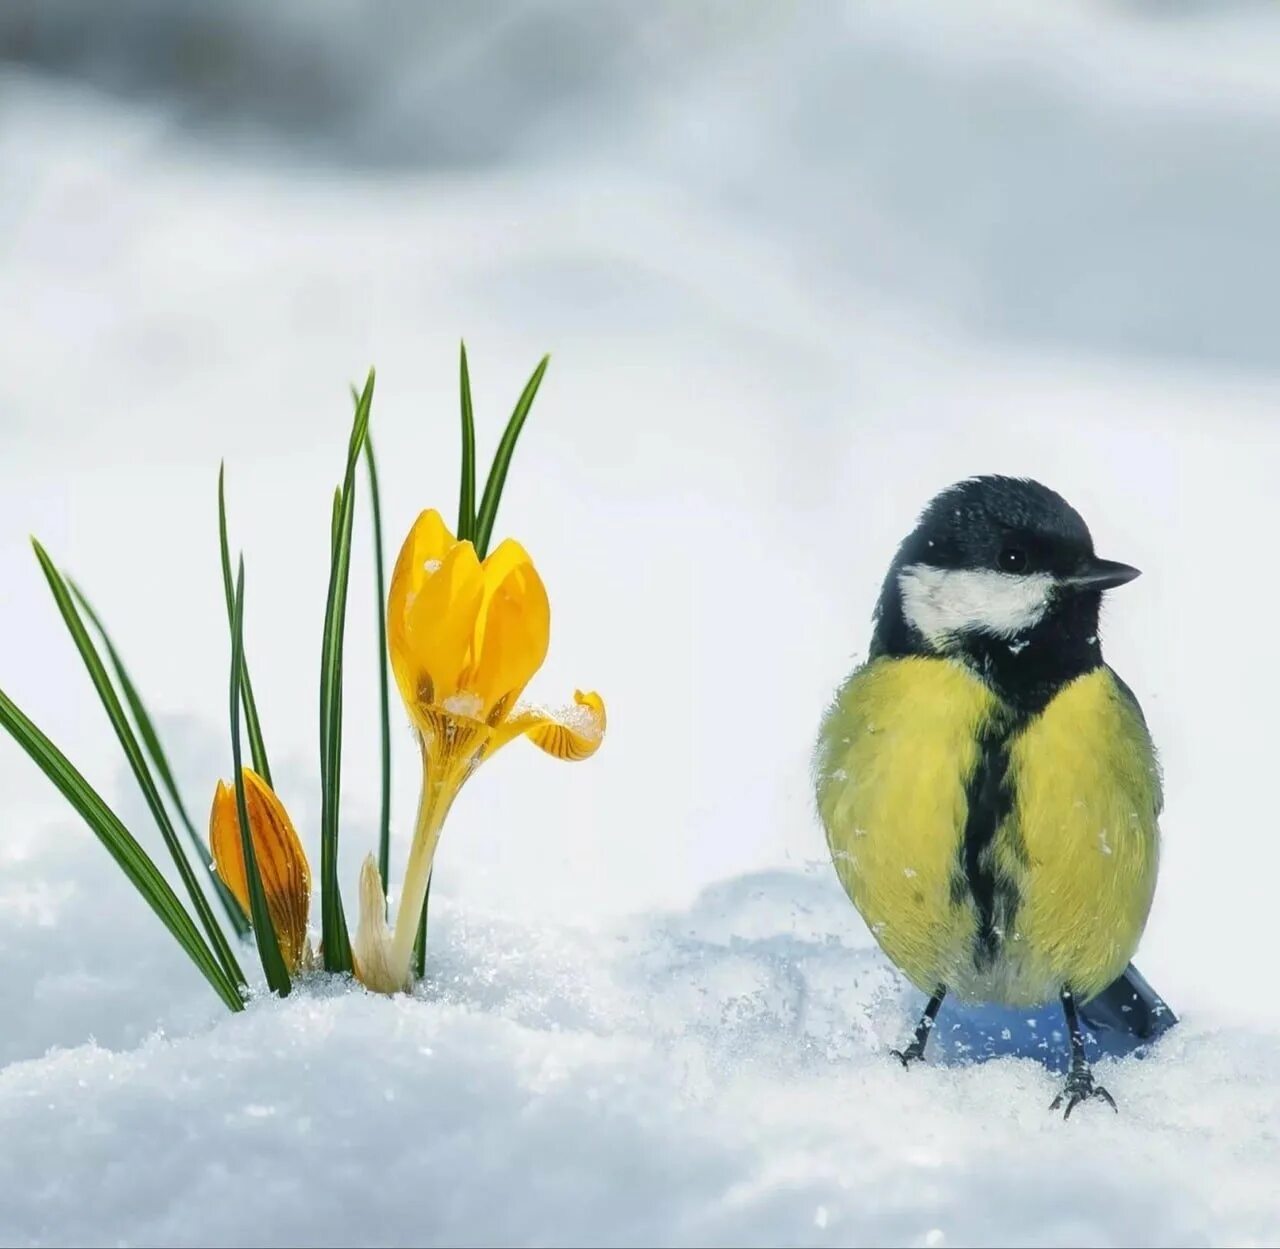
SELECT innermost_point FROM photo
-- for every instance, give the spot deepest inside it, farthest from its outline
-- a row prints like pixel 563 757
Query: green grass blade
pixel 335 523
pixel 380 590
pixel 268 946
pixel 337 942
pixel 121 845
pixel 467 489
pixel 160 761
pixel 253 726
pixel 137 762
pixel 502 460
pixel 420 942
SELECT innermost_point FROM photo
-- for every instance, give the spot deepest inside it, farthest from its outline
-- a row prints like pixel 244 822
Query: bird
pixel 987 783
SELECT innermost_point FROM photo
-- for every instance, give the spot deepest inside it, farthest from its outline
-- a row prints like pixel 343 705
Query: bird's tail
pixel 1130 1004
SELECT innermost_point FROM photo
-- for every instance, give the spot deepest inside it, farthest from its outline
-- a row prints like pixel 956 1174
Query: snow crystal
pixel 464 703
pixel 581 720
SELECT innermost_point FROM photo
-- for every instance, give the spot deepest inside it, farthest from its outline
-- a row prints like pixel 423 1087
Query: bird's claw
pixel 1081 1088
pixel 908 1056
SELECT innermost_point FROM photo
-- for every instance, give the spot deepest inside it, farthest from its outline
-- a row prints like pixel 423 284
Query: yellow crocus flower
pixel 465 638
pixel 282 863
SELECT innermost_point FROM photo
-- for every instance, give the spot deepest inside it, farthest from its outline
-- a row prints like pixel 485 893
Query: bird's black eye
pixel 1013 559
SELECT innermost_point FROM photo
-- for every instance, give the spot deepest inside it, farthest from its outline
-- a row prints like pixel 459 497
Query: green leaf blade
pixel 137 761
pixel 467 487
pixel 420 941
pixel 263 930
pixel 337 941
pixel 380 593
pixel 137 866
pixel 160 761
pixel 253 725
pixel 497 479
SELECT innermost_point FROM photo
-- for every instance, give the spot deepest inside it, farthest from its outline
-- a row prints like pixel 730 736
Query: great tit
pixel 988 786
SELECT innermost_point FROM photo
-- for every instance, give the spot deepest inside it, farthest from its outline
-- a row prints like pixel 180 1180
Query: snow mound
pixel 717 1075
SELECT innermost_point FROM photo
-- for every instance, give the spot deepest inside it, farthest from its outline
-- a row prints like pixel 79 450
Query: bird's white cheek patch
pixel 941 602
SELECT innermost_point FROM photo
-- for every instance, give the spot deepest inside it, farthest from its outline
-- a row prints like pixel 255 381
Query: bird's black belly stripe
pixel 989 797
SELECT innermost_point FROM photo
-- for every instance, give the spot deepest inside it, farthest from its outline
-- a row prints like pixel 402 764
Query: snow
pixel 797 272
pixel 714 1075
pixel 464 704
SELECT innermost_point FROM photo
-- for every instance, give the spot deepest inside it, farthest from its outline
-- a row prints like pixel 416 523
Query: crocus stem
pixel 432 807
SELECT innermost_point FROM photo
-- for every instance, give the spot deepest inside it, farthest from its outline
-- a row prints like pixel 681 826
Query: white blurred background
pixel 799 267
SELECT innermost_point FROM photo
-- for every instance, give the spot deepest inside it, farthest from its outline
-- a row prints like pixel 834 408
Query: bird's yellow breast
pixel 894 757
pixel 1088 795
pixel 1077 847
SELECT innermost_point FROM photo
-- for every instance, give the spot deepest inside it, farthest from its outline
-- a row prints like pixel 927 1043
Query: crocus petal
pixel 431 613
pixel 423 551
pixel 573 734
pixel 429 539
pixel 282 863
pixel 513 629
pixel 371 945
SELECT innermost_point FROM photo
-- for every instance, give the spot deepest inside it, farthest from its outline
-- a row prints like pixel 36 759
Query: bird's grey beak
pixel 1100 574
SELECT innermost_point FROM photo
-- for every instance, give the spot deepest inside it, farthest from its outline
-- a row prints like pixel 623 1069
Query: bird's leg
pixel 1080 1086
pixel 915 1051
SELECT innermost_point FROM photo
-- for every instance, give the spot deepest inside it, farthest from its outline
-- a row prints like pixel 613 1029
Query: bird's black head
pixel 1000 572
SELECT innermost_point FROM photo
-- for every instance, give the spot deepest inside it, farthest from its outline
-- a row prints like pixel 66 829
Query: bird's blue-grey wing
pixel 1129 1004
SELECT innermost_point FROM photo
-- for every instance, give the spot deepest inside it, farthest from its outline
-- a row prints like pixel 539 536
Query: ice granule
pixel 464 703
pixel 581 720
